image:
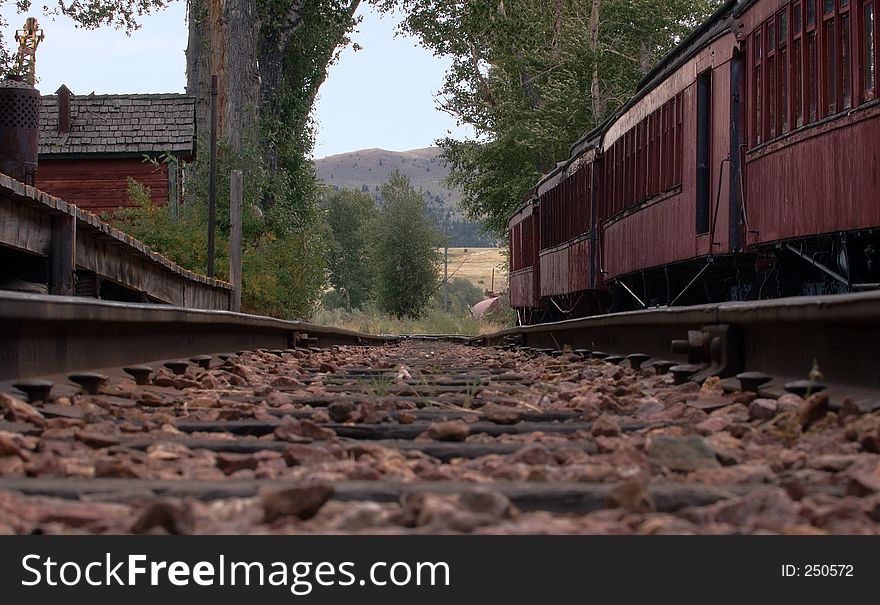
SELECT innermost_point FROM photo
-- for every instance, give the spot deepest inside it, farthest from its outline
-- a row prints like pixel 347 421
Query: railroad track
pixel 332 432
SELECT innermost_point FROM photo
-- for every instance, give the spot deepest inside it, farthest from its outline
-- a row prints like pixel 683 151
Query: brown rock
pixel 302 502
pixel 685 454
pixel 864 478
pixel 94 439
pixel 789 402
pixel 175 518
pixel 328 367
pixel 605 426
pixel 813 409
pixel 453 430
pixel 728 449
pixel 17 410
pixel 341 411
pixel 490 503
pixel 303 431
pixel 500 414
pixel 632 496
pixel 14 445
pixel 712 386
pixel 762 409
pixel 405 417
pixel 115 468
pixel 303 455
pixel 232 463
pixel 202 403
pixel 168 450
pixel 534 454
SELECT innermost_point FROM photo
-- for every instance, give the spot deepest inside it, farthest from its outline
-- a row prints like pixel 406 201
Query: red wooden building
pixel 91 145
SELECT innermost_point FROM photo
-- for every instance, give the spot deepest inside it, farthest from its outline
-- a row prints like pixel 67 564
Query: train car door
pixel 704 151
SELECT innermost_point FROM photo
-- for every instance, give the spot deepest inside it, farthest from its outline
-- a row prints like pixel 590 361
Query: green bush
pixel 283 275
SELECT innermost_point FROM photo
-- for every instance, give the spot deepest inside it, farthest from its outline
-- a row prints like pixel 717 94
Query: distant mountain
pixel 367 169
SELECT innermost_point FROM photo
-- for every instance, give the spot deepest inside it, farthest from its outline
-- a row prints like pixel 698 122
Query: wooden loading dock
pixel 48 241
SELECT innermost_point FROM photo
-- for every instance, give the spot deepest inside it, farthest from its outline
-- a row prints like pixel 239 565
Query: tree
pixel 407 260
pixel 532 76
pixel 351 216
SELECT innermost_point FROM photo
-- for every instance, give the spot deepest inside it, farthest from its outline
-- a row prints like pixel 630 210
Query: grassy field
pixel 434 321
pixel 476 264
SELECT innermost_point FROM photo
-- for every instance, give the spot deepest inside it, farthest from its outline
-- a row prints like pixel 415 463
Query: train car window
pixel 796 18
pixel 846 60
pixel 830 75
pixel 869 50
pixel 783 91
pixel 771 37
pixel 679 138
pixel 797 98
pixel 757 89
pixel 811 12
pixel 812 77
pixel 783 28
pixel 770 104
pixel 829 7
pixel 844 3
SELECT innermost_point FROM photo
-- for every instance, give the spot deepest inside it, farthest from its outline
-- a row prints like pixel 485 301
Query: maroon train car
pixel 744 167
pixel 812 181
pixel 524 269
pixel 567 256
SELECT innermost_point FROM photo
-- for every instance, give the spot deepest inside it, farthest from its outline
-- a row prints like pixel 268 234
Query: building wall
pixel 100 185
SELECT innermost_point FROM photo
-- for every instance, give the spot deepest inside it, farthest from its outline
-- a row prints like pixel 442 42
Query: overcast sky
pixel 381 96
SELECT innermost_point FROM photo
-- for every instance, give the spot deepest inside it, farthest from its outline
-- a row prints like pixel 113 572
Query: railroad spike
pixel 804 388
pixel 752 381
pixel 90 382
pixel 637 359
pixel 616 359
pixel 682 373
pixel 662 366
pixel 177 366
pixel 203 361
pixel 35 389
pixel 141 374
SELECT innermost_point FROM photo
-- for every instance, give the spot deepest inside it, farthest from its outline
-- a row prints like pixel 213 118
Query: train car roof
pixel 710 29
pixel 703 34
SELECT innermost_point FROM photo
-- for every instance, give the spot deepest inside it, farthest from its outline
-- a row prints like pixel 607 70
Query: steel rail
pixel 42 335
pixel 786 338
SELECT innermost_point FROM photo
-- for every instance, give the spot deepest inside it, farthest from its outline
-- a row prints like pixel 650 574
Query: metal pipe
pixel 691 283
pixel 817 265
pixel 212 179
pixel 633 294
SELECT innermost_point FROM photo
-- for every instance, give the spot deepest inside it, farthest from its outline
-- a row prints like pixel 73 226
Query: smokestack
pixel 63 109
pixel 19 129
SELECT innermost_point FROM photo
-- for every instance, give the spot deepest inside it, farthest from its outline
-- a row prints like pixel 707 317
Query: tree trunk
pixel 557 27
pixel 240 81
pixel 595 91
pixel 646 60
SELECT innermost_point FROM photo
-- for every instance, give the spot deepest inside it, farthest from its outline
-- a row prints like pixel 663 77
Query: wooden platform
pixel 79 247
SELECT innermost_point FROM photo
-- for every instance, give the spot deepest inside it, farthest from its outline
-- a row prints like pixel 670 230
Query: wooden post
pixel 62 257
pixel 446 278
pixel 236 193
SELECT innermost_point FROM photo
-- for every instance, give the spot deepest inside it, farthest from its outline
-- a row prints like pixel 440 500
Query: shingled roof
pixel 128 124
